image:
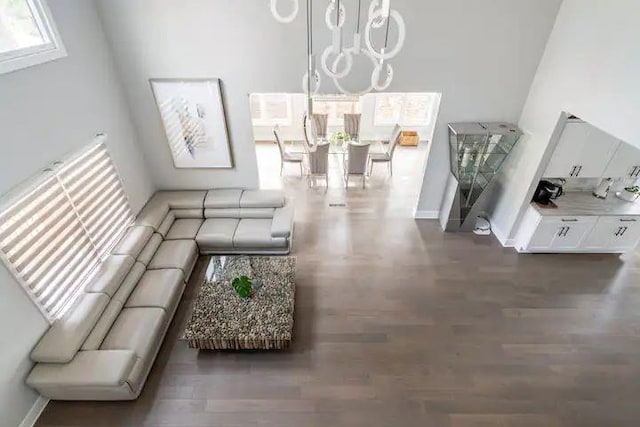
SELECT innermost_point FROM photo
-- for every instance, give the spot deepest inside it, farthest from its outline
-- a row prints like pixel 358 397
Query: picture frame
pixel 194 122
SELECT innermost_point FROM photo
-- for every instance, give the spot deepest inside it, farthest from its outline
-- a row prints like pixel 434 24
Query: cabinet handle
pixel 566 231
pixel 579 170
pixel 633 171
pixel 617 233
pixel 573 170
pixel 627 220
pixel 560 233
pixel 570 220
pixel 624 229
pixel 637 171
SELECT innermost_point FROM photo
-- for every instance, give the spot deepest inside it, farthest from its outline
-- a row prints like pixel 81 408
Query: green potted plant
pixel 339 137
pixel 243 286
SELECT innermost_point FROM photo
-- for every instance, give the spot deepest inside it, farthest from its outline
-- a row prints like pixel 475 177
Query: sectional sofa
pixel 104 346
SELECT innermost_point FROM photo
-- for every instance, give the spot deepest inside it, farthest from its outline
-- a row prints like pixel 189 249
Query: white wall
pixel 481 55
pixel 47 111
pixel 590 68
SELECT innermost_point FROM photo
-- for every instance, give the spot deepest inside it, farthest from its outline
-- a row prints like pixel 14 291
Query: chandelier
pixel 336 60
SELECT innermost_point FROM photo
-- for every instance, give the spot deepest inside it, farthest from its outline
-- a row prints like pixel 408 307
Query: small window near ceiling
pixel 270 109
pixel 27 35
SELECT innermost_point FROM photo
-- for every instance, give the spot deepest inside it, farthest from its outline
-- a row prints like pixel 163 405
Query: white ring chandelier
pixel 337 61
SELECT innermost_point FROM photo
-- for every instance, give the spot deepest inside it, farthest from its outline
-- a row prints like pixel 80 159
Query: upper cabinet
pixel 583 151
pixel 625 163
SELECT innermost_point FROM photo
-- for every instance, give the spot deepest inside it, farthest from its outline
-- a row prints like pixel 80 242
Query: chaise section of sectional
pixel 104 347
pixel 246 222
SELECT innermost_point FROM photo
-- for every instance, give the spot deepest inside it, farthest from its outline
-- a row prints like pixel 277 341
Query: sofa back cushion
pixel 110 314
pixel 262 199
pixel 133 241
pixel 225 198
pixel 110 275
pixel 240 213
pixel 66 335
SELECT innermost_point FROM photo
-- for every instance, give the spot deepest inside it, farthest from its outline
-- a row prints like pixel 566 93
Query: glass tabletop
pixel 376 146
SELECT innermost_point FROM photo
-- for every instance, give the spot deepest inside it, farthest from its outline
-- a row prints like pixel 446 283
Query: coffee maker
pixel 547 191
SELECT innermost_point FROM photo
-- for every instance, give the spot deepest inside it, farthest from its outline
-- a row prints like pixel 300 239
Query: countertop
pixel 584 203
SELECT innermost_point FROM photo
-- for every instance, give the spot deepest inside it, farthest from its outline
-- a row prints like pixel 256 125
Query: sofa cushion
pixel 101 329
pixel 166 224
pixel 129 282
pixel 282 225
pixel 223 198
pixel 217 233
pixel 262 199
pixel 153 213
pixel 110 274
pixel 222 213
pixel 66 335
pixel 188 213
pixel 135 329
pixel 150 249
pixel 133 241
pixel 182 199
pixel 256 233
pixel 181 254
pixel 98 368
pixel 158 288
pixel 184 229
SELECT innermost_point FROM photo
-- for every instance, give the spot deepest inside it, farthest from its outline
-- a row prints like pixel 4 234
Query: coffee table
pixel 222 320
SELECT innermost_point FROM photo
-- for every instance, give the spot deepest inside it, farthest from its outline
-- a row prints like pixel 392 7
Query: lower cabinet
pixel 614 233
pixel 595 234
pixel 560 233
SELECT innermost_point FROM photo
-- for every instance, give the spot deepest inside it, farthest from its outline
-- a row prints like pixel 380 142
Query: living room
pixel 396 321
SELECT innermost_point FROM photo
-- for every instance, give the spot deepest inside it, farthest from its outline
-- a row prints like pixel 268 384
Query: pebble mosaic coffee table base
pixel 222 320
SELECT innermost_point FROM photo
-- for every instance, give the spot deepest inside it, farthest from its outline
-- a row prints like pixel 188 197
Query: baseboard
pixel 426 214
pixel 34 413
pixel 502 237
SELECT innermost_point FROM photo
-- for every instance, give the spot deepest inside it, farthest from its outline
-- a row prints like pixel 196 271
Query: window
pixel 335 107
pixel 409 109
pixel 55 234
pixel 270 109
pixel 27 35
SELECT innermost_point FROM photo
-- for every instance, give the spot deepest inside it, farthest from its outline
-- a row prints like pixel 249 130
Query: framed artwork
pixel 193 117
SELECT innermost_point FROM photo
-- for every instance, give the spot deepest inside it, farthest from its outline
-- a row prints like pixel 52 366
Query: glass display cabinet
pixel 477 151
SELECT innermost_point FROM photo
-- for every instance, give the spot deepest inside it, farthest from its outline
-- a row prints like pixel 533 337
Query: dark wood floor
pixel 399 324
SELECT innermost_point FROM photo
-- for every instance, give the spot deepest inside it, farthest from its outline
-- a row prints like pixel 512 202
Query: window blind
pixel 54 234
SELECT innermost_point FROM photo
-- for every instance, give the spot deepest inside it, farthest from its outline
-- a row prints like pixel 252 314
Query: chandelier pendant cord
pixel 358 22
pixel 386 34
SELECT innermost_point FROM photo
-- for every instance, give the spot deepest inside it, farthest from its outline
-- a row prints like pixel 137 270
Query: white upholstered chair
pixel 355 162
pixel 286 157
pixel 352 125
pixel 387 155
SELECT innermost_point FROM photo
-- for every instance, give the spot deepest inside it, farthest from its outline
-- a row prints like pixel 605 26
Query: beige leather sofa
pixel 104 346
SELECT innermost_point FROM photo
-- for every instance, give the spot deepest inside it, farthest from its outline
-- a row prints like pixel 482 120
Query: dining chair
pixel 387 155
pixel 319 122
pixel 317 153
pixel 355 162
pixel 286 157
pixel 352 125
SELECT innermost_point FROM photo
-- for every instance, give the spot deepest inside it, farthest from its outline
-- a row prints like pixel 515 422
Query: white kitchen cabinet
pixel 615 234
pixel 625 163
pixel 553 233
pixel 583 151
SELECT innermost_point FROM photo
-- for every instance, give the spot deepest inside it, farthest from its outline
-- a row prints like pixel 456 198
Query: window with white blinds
pixel 54 234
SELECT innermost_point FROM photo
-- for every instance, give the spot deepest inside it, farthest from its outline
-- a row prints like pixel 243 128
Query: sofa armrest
pixel 282 225
pixel 96 368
